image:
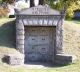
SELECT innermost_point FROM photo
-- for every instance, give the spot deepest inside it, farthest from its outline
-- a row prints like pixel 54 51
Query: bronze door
pixel 38 44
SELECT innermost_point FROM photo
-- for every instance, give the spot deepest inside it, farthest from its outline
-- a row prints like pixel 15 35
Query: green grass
pixel 69 68
pixel 71 45
pixel 7 35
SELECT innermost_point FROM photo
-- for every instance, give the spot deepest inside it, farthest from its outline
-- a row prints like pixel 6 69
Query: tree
pixel 0 1
pixel 64 5
pixel 41 2
pixel 68 7
pixel 31 3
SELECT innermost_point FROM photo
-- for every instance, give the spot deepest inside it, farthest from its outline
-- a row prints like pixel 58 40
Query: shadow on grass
pixel 7 35
pixel 77 22
pixel 46 64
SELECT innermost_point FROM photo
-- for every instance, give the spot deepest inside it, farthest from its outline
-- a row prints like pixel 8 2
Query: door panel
pixel 32 31
pixel 43 31
pixel 33 57
pixel 43 40
pixel 31 49
pixel 32 40
pixel 37 43
pixel 43 49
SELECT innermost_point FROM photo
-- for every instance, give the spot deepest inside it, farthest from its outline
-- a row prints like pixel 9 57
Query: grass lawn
pixel 71 45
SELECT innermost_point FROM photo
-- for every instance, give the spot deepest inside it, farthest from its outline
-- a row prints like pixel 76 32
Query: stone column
pixel 20 36
pixel 59 36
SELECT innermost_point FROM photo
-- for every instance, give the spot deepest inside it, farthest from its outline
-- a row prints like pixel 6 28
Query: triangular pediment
pixel 39 10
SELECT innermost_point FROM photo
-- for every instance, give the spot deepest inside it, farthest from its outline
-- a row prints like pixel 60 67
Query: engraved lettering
pixel 40 11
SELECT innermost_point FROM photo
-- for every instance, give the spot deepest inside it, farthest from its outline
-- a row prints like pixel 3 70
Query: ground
pixel 71 45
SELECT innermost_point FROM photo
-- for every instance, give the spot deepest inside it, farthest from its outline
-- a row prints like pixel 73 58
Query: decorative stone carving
pixel 39 21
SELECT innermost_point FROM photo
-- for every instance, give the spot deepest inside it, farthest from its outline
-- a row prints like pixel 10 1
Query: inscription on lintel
pixel 40 11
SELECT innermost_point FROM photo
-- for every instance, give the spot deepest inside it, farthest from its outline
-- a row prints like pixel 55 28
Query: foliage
pixel 70 6
pixel 4 8
pixel 8 1
pixel 0 0
pixel 71 9
pixel 41 2
pixel 3 12
pixel 67 5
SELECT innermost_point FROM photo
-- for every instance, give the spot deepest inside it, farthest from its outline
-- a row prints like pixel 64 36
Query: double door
pixel 38 44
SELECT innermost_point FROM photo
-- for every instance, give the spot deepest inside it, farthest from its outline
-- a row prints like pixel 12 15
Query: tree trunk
pixel 31 3
pixel 65 9
pixel 41 2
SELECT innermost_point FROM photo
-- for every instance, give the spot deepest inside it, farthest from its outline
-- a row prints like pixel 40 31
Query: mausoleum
pixel 39 35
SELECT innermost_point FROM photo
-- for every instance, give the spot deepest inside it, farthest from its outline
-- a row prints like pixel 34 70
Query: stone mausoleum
pixel 39 35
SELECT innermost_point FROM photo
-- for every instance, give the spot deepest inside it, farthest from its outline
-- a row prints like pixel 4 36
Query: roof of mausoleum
pixel 39 10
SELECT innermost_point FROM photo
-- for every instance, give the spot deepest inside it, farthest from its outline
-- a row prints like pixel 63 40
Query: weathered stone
pixel 14 59
pixel 59 37
pixel 19 25
pixel 25 21
pixel 63 59
pixel 21 50
pixel 20 41
pixel 20 32
pixel 20 46
pixel 46 21
pixel 19 37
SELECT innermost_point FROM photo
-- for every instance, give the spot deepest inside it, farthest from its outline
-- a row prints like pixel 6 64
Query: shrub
pixel 71 9
pixel 3 12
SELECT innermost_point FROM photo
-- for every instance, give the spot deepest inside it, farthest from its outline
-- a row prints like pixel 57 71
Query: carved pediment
pixel 39 10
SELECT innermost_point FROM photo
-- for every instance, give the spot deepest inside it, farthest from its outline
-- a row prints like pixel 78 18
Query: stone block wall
pixel 14 59
pixel 62 59
pixel 20 37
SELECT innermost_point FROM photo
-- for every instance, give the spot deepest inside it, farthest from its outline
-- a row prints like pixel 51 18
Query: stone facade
pixel 40 16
